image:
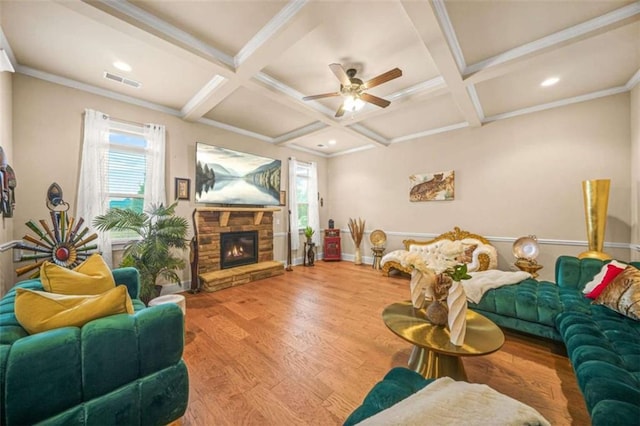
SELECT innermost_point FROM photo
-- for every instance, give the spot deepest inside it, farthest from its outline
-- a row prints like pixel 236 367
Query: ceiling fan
pixel 353 89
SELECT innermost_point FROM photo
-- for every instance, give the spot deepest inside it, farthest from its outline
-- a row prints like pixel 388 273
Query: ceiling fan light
pixel 352 103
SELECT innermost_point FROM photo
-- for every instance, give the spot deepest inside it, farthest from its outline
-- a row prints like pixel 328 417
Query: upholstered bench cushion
pixel 604 348
pixel 398 384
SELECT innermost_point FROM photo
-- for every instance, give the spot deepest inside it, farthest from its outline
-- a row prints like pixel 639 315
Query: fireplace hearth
pixel 238 248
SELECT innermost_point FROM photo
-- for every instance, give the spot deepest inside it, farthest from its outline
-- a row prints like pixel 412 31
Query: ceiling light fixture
pixel 550 81
pixel 353 103
pixel 122 66
pixel 332 142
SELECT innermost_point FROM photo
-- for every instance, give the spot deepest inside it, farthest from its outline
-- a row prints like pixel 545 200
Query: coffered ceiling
pixel 246 65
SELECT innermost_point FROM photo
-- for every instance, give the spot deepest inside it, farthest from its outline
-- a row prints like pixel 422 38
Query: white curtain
pixel 314 211
pixel 154 188
pixel 93 191
pixel 293 205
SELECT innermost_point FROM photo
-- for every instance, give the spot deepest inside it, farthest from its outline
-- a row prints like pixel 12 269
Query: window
pixel 126 170
pixel 303 173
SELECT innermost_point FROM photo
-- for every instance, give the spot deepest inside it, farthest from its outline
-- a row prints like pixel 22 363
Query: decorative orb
pixel 526 248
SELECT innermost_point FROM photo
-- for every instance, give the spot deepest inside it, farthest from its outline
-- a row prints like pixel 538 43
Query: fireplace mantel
pixel 225 212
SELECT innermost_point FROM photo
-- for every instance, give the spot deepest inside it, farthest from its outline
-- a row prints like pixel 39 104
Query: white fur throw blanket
pixel 447 402
pixel 483 281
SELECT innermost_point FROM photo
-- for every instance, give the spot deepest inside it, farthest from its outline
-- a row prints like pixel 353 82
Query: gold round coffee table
pixel 433 355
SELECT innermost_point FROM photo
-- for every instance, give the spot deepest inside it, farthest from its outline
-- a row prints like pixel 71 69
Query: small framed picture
pixel 283 198
pixel 183 188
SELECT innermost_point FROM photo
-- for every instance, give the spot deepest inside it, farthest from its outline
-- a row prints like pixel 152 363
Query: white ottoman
pixel 178 299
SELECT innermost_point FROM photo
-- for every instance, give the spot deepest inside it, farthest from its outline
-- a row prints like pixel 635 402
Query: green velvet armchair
pixel 122 369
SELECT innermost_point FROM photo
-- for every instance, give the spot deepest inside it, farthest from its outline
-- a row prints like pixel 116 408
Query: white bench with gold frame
pixel 483 256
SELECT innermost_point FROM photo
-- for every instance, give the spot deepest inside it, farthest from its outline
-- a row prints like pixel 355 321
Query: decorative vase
pixel 596 199
pixel 358 256
pixel 457 317
pixel 437 312
pixel 418 285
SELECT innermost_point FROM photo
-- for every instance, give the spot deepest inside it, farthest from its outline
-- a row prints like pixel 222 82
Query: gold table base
pixel 433 354
pixel 432 364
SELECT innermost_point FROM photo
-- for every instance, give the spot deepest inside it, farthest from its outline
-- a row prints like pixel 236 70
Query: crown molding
pixel 67 82
pixel 359 128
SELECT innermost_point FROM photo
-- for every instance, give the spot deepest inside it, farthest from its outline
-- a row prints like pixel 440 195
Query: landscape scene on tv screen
pixel 224 176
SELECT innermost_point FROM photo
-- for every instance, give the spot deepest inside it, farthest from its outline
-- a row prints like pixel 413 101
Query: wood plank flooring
pixel 305 347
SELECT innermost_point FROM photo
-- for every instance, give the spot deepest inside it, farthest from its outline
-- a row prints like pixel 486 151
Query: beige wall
pixel 6 142
pixel 513 177
pixel 48 123
pixel 635 172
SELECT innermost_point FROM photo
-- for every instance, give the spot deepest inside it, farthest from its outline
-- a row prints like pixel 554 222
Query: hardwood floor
pixel 305 347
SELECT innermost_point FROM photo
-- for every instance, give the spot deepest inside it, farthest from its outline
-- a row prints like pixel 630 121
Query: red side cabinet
pixel 332 247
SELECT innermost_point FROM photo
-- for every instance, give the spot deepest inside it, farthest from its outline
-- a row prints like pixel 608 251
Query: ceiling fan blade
pixel 341 74
pixel 340 111
pixel 382 103
pixel 324 95
pixel 383 78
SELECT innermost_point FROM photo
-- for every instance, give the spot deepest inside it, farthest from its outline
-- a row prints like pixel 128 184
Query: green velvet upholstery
pixel 121 369
pixel 603 345
pixel 397 384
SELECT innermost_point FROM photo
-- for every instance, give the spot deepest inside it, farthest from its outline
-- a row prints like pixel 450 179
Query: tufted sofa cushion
pixel 604 348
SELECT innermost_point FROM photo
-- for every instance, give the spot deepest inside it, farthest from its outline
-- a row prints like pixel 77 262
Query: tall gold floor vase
pixel 596 200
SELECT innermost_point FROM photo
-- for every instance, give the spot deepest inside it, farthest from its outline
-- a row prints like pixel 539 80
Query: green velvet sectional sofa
pixel 118 370
pixel 603 345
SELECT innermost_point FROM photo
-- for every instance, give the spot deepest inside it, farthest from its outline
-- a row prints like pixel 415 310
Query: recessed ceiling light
pixel 122 66
pixel 550 81
pixel 332 142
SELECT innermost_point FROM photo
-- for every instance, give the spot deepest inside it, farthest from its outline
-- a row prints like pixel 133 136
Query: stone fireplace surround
pixel 208 224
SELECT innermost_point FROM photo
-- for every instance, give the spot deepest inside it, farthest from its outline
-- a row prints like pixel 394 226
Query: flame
pixel 236 251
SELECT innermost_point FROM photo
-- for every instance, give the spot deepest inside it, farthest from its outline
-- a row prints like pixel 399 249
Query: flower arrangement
pixel 436 271
pixel 436 277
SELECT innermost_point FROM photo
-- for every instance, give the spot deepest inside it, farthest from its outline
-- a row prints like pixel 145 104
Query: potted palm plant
pixel 160 231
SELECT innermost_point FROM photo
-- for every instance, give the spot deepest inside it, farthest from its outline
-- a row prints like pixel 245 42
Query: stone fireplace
pixel 232 246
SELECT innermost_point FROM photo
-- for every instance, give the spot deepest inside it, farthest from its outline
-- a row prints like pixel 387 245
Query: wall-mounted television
pixel 224 176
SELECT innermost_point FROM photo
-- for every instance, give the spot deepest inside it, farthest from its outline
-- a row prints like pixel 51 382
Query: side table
pixel 309 254
pixel 378 252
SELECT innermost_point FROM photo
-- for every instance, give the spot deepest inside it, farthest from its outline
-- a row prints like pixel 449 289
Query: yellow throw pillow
pixel 92 276
pixel 39 311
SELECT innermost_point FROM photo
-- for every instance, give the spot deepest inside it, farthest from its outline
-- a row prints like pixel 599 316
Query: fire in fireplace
pixel 238 248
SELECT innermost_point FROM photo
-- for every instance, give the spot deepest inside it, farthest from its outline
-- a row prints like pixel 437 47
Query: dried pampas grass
pixel 357 230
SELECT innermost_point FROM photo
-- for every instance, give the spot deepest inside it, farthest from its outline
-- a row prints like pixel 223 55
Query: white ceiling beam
pixel 423 15
pixel 210 95
pixel 293 22
pixel 151 24
pixel 526 54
